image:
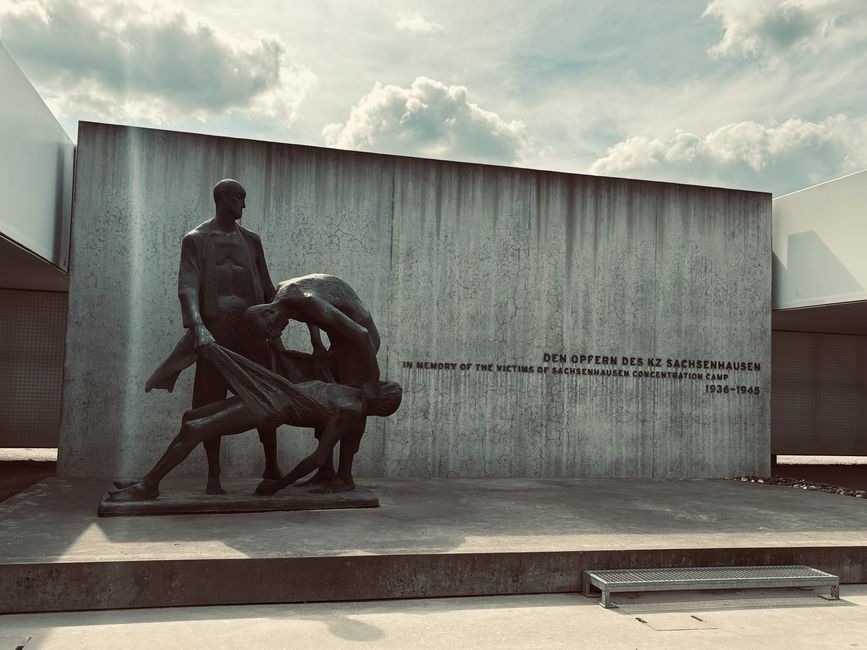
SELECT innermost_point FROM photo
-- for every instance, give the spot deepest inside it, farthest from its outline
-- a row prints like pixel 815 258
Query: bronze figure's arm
pixel 189 276
pixel 321 313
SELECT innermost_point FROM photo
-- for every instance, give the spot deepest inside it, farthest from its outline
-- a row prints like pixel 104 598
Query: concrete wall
pixel 819 243
pixel 35 170
pixel 475 275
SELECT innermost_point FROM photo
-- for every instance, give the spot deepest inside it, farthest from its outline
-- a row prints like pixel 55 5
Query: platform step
pixel 741 577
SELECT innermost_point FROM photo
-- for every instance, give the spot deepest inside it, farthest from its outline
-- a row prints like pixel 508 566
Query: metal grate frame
pixel 617 580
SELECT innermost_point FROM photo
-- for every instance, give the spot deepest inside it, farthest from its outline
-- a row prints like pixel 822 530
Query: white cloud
pixel 417 24
pixel 790 155
pixel 107 61
pixel 755 27
pixel 429 119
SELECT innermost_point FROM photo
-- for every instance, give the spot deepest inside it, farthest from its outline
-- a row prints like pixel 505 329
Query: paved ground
pixel 58 519
pixel 64 528
pixel 789 619
pixel 21 468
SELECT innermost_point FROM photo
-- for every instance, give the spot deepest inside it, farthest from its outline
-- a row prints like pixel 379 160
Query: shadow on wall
pixel 814 274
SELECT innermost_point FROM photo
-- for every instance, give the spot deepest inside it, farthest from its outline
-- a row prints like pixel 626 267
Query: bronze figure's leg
pixel 349 444
pixel 255 349
pixel 199 425
pixel 325 473
pixel 192 414
pixel 333 432
pixel 348 369
pixel 210 387
pixel 268 438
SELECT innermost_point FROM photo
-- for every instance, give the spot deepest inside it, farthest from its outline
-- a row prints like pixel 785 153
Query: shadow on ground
pixel 17 475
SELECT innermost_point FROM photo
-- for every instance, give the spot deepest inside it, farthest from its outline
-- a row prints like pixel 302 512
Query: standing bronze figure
pixel 222 273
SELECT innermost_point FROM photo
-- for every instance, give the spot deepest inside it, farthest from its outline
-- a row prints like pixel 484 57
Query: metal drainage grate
pixel 742 577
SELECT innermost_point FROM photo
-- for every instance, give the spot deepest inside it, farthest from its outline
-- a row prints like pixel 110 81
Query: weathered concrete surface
pixel 462 265
pixel 745 620
pixel 500 266
pixel 443 537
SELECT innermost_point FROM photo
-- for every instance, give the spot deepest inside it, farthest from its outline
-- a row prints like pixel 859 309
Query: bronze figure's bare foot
pixel 214 486
pixel 335 485
pixel 138 492
pixel 321 477
pixel 267 486
pixel 122 485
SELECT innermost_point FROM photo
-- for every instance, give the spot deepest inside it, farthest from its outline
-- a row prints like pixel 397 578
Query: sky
pixel 767 95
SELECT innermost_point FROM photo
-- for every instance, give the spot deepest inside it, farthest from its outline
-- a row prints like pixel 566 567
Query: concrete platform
pixel 429 538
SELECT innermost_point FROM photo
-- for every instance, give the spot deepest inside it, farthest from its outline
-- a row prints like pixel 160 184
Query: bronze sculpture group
pixel 234 318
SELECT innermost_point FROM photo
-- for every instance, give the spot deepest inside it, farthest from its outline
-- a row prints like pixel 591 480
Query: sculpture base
pixel 241 499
